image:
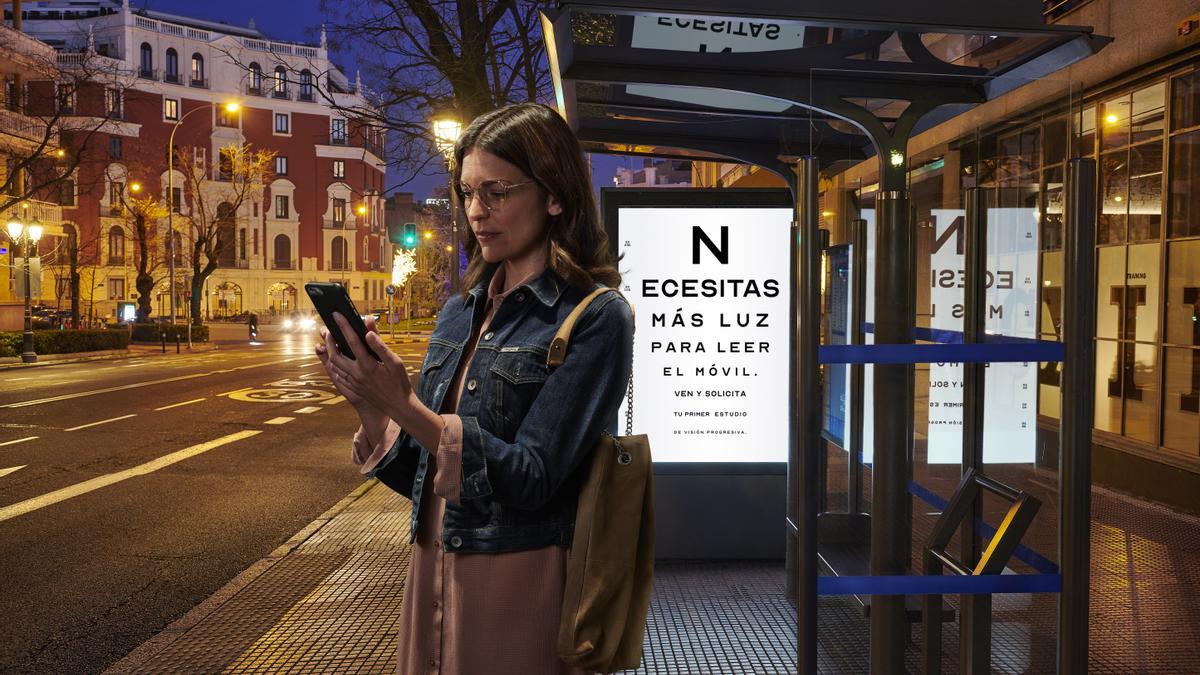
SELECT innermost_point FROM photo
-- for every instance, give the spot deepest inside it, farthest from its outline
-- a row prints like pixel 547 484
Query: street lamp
pixel 27 236
pixel 231 106
pixel 446 129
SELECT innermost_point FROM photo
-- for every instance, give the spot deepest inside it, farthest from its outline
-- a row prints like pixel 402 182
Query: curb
pixel 136 659
pixel 104 355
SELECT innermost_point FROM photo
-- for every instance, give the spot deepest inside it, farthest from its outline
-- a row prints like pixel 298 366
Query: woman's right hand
pixel 374 421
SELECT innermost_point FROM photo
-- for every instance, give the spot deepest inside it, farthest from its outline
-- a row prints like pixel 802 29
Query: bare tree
pixel 213 207
pixel 141 211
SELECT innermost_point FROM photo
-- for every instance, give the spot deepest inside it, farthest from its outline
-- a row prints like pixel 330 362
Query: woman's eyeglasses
pixel 492 193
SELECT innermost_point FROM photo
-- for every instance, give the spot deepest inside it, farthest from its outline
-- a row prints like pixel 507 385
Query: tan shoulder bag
pixel 610 569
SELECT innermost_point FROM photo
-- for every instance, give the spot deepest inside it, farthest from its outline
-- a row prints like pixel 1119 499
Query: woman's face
pixel 514 229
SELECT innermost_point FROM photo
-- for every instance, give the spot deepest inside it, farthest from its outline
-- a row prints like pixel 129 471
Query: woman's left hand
pixel 383 384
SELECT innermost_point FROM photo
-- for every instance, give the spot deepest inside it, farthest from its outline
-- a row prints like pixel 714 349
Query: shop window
pixel 1085 132
pixel 1183 293
pixel 1145 192
pixel 1114 197
pixel 1185 101
pixel 1147 106
pixel 1108 386
pixel 1181 400
pixel 1185 185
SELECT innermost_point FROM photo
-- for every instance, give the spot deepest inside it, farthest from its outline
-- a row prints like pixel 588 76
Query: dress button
pixel 487 335
pixel 435 604
pixel 432 661
pixel 456 541
pixel 471 385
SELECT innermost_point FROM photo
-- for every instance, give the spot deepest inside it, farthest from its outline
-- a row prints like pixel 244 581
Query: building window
pixel 242 244
pixel 116 190
pixel 256 79
pixel 177 199
pixel 226 118
pixel 306 86
pixel 116 246
pixel 339 168
pixel 171 70
pixel 67 193
pixel 282 123
pixel 146 64
pixel 112 103
pixel 283 252
pixel 279 83
pixel 116 289
pixel 255 236
pixel 337 131
pixel 198 71
pixel 281 206
pixel 114 147
pixel 281 166
pixel 65 98
pixel 170 109
pixel 338 254
pixel 339 210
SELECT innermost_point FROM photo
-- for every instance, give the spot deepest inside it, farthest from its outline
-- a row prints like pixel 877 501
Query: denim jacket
pixel 526 431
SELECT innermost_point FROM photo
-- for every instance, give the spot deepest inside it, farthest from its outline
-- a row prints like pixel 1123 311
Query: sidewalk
pixel 134 350
pixel 329 600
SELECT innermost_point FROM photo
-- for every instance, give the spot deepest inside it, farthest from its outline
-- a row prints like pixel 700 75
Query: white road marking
pixel 29 505
pixel 279 420
pixel 19 440
pixel 235 391
pixel 93 424
pixel 176 405
pixel 310 365
pixel 306 411
pixel 136 385
pixel 11 469
pixel 335 399
pixel 18 379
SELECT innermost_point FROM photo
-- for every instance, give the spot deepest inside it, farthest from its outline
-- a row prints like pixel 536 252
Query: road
pixel 132 489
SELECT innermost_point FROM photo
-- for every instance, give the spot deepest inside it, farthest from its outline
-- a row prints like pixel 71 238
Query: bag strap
pixel 558 346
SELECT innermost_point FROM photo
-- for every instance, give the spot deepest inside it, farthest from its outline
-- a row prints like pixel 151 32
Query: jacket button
pixel 487 335
pixel 455 541
pixel 471 385
pixel 520 297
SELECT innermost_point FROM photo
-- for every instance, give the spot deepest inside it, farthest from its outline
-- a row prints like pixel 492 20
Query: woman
pixel 491 447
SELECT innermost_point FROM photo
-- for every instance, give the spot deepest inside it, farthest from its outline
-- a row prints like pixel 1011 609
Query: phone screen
pixel 330 298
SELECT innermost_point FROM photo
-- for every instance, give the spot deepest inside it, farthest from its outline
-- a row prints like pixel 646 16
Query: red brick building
pixel 318 216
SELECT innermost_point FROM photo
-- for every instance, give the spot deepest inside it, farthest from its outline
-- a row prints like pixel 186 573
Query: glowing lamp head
pixel 896 158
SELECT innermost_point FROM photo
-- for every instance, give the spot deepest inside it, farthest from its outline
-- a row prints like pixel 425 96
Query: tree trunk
pixel 199 276
pixel 144 281
pixel 73 256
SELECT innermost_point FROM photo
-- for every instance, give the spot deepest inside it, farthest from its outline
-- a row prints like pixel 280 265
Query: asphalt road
pixel 132 489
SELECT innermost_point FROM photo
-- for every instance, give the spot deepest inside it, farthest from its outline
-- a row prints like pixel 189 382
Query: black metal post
pixel 891 507
pixel 974 641
pixel 28 355
pixel 858 314
pixel 1075 428
pixel 807 242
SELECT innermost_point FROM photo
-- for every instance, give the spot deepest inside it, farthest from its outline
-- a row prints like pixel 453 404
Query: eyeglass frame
pixel 469 195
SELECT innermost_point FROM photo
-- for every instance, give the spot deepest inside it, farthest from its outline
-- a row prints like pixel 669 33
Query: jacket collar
pixel 547 287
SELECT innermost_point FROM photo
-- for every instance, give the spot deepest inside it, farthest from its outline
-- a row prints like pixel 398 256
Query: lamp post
pixel 446 129
pixel 230 107
pixel 27 236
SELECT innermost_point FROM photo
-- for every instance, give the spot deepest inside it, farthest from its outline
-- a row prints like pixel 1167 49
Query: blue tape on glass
pixel 953 337
pixel 940 585
pixel 1023 553
pixel 942 353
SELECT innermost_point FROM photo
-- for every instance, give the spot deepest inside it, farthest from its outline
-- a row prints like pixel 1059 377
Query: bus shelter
pixel 801 88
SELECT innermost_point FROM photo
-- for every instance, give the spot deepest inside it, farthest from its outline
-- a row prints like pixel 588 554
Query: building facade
pixel 319 213
pixel 1135 108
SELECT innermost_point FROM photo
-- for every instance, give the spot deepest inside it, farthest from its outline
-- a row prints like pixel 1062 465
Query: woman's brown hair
pixel 536 140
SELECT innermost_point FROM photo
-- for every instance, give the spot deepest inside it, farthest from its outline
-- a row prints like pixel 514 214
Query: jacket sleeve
pixel 576 403
pixel 398 468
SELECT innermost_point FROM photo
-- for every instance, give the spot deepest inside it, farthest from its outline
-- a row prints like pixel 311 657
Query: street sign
pixel 35 277
pixel 390 290
pixel 3 250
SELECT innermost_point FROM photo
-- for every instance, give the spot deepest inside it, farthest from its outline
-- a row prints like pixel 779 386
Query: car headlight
pixel 287 323
pixel 308 324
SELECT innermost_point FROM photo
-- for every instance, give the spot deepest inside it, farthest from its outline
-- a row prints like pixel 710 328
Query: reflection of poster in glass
pixel 837 375
pixel 1010 389
pixel 710 289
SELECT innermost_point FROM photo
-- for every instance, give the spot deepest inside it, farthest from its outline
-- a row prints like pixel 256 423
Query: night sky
pixel 299 21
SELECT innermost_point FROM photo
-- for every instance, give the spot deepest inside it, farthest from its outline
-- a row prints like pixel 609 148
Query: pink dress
pixel 472 613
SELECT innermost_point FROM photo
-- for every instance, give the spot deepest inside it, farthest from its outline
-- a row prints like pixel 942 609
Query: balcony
pixel 23 127
pixel 116 260
pixel 171 78
pixel 280 94
pixel 306 97
pixel 337 139
pixel 252 90
pixel 198 83
pixel 148 73
pixel 283 265
pixel 333 224
pixel 340 266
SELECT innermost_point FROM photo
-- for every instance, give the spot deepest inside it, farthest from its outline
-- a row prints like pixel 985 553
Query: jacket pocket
pixel 437 356
pixel 517 377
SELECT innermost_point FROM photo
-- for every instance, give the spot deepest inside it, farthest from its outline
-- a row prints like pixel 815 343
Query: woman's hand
pixel 381 385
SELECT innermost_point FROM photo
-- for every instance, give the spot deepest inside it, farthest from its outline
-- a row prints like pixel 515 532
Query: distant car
pixel 299 323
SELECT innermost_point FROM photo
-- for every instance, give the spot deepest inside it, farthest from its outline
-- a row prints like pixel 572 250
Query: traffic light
pixel 410 235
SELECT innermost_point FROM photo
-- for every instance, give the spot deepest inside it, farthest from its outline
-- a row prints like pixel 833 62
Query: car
pixel 299 323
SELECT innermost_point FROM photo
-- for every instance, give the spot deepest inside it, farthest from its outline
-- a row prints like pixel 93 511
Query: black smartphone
pixel 329 298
